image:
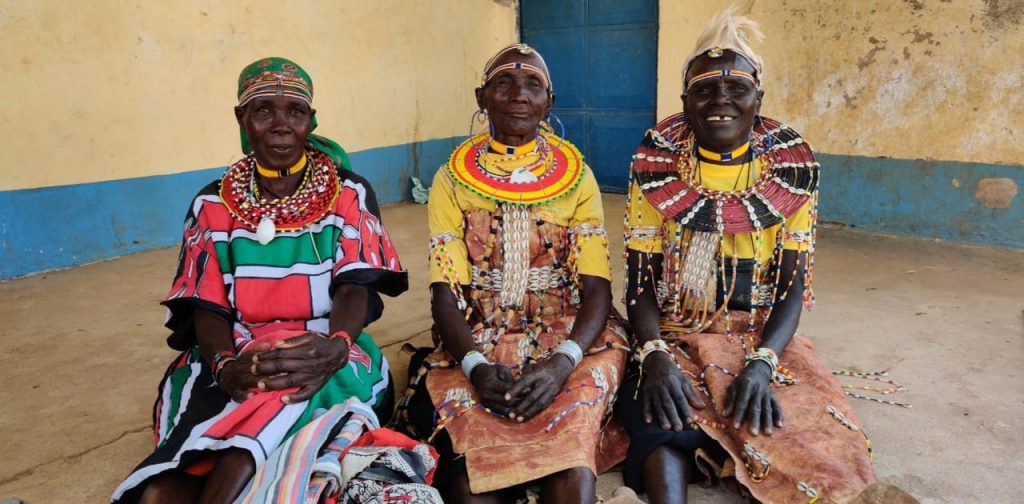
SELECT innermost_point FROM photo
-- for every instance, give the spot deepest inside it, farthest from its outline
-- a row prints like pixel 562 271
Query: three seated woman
pixel 533 383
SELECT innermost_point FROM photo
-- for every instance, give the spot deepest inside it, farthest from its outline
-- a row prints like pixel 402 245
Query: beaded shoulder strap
pixel 663 167
pixel 561 178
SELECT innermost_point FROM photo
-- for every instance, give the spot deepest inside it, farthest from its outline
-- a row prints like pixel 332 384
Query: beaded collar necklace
pixel 664 167
pixel 513 150
pixel 312 200
pixel 556 172
pixel 724 156
pixel 270 174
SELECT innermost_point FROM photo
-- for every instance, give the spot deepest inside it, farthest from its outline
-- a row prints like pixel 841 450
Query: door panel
pixel 603 57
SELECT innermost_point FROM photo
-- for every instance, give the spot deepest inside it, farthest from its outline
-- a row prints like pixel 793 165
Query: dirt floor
pixel 84 350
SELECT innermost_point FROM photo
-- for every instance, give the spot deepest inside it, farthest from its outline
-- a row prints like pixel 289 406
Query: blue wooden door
pixel 603 57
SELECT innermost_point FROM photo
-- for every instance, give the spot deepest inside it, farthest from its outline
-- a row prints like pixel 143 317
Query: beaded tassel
pixel 439 256
pixel 577 236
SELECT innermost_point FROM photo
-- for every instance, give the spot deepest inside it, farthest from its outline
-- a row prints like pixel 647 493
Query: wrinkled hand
pixel 537 387
pixel 492 383
pixel 306 361
pixel 750 397
pixel 667 394
pixel 236 378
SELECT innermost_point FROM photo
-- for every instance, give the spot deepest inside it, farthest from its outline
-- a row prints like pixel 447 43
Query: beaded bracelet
pixel 471 360
pixel 766 355
pixel 220 361
pixel 343 335
pixel 655 345
pixel 572 350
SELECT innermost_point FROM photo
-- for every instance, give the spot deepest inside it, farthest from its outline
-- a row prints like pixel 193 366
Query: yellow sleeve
pixel 798 228
pixel 587 223
pixel 447 245
pixel 644 224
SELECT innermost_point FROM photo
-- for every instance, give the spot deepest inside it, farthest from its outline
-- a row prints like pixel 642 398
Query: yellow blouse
pixel 582 205
pixel 647 227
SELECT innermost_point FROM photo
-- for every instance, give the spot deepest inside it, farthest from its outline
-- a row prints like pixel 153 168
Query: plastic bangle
pixel 471 360
pixel 572 350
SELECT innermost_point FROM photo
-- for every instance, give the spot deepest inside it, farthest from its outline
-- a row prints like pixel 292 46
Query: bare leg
pixel 172 487
pixel 458 491
pixel 666 473
pixel 571 485
pixel 233 470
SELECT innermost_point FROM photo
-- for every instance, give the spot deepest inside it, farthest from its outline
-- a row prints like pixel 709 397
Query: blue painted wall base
pixel 920 198
pixel 57 227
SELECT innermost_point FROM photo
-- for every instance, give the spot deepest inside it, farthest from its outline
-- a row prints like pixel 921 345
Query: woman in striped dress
pixel 280 268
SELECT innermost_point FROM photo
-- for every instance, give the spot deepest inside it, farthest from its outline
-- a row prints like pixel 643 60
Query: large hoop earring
pixel 480 115
pixel 551 128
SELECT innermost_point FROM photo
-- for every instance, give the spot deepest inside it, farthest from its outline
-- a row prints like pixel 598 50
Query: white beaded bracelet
pixel 656 345
pixel 766 355
pixel 471 360
pixel 572 350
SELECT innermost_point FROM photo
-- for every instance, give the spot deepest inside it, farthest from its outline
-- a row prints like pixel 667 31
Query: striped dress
pixel 270 292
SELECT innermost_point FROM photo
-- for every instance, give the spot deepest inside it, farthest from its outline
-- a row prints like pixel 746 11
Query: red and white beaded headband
pixel 489 72
pixel 277 85
pixel 718 52
pixel 721 73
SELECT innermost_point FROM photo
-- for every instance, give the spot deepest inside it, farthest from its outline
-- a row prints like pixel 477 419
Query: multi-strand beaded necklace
pixel 666 169
pixel 315 196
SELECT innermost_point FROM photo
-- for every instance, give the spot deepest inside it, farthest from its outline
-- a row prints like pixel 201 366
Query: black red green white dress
pixel 283 288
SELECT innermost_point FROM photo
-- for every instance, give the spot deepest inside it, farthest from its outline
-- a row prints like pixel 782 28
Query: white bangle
pixel 471 360
pixel 572 350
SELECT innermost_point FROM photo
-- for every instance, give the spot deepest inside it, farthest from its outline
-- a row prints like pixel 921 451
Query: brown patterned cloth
pixel 500 453
pixel 814 455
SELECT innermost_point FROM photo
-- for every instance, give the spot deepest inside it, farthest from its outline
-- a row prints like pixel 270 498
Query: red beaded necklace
pixel 309 203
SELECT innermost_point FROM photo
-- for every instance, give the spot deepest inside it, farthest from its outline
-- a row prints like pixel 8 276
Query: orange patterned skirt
pixel 576 430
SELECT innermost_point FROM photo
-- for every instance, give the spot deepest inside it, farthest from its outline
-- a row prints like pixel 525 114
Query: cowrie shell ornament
pixel 265 231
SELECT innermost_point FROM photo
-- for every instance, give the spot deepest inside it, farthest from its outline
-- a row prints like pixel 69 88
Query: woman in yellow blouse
pixel 720 241
pixel 526 360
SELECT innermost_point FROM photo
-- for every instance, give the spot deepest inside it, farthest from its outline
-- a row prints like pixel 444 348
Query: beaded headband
pixel 276 84
pixel 524 49
pixel 721 73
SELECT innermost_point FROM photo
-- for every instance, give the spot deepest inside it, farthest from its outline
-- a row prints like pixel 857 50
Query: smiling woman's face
pixel 722 109
pixel 516 100
pixel 277 127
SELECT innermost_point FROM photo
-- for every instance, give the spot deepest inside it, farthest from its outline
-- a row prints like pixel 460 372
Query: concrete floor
pixel 84 350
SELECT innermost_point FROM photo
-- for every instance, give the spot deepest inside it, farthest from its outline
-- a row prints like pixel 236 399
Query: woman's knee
pixel 171 486
pixel 575 477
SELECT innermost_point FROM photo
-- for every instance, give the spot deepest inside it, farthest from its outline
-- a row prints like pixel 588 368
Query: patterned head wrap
pixel 282 77
pixel 726 31
pixel 490 70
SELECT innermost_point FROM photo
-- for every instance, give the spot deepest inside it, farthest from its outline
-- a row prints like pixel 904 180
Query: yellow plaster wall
pixel 913 79
pixel 112 89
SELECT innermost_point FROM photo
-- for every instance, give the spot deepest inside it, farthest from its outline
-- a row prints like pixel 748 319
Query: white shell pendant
pixel 522 176
pixel 265 231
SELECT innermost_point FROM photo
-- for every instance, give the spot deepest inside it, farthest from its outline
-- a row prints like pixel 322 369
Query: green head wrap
pixel 273 76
